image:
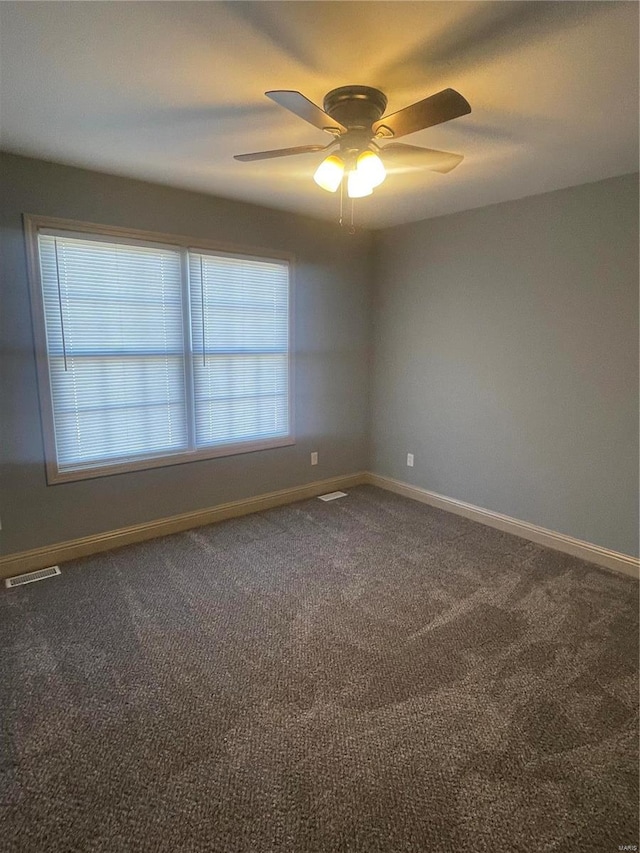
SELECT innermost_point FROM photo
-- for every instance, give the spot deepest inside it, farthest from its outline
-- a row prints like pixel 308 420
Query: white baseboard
pixel 40 558
pixel 558 541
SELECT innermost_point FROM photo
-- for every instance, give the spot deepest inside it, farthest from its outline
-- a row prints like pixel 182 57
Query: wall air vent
pixel 31 577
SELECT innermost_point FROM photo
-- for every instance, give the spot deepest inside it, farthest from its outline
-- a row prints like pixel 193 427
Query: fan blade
pixel 296 103
pixel 435 109
pixel 280 152
pixel 437 161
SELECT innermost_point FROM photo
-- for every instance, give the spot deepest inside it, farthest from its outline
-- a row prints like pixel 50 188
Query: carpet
pixel 369 675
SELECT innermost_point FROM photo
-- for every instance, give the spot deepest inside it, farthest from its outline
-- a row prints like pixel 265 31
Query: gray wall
pixel 504 355
pixel 506 359
pixel 332 334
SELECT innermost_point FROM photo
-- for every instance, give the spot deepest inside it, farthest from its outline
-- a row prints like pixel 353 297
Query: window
pixel 239 321
pixel 155 352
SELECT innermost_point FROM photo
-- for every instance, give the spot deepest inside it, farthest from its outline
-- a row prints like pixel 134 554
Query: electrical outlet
pixel 410 460
pixel 314 458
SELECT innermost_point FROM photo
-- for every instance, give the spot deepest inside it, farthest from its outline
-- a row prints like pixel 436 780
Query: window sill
pixel 55 475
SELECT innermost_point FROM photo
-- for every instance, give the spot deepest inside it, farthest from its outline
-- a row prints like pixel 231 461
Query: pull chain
pixel 64 345
pixel 204 331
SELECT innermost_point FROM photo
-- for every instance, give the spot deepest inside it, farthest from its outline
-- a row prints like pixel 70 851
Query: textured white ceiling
pixel 169 91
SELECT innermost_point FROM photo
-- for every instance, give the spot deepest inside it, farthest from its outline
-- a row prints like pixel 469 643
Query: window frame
pixel 33 224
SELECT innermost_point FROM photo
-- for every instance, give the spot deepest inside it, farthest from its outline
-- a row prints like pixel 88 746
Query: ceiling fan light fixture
pixel 356 119
pixel 329 173
pixel 371 167
pixel 358 185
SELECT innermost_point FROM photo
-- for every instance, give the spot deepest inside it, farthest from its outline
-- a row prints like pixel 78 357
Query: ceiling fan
pixel 353 115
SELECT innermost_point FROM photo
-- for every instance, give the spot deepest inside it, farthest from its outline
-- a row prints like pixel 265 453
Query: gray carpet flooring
pixel 368 675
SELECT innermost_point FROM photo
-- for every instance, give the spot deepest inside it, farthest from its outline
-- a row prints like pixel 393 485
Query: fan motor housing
pixel 355 107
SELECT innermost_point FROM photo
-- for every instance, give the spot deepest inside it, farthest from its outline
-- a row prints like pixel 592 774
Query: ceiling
pixel 169 91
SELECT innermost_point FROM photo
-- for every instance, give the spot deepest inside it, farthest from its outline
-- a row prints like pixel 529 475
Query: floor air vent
pixel 332 496
pixel 31 577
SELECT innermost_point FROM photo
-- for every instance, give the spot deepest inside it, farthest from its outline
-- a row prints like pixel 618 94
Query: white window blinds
pixel 114 326
pixel 157 351
pixel 240 334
